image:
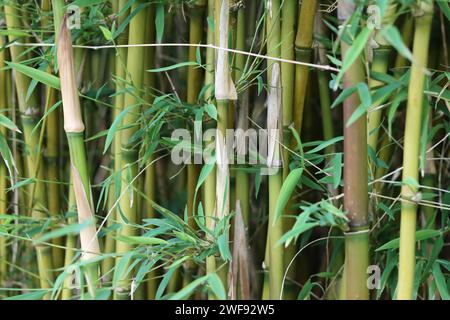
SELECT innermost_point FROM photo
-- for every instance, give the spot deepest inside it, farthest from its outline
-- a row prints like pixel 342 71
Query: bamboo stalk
pixel 194 84
pixel 275 226
pixel 29 113
pixel 129 156
pixel 71 243
pixel 241 177
pixel 150 173
pixel 120 74
pixel 74 128
pixel 423 19
pixel 303 44
pixel 210 182
pixel 52 155
pixel 274 253
pixel 380 64
pixel 355 177
pixel 224 93
pixel 3 171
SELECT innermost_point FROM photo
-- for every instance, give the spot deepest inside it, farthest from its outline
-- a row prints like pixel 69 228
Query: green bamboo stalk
pixel 303 44
pixel 52 154
pixel 135 61
pixel 150 172
pixel 120 74
pixel 387 146
pixel 407 256
pixel 241 177
pixel 209 190
pixel 74 128
pixel 274 253
pixel 380 64
pixel 324 88
pixel 289 12
pixel 29 110
pixel 275 226
pixel 355 177
pixel 71 244
pixel 224 93
pixel 3 171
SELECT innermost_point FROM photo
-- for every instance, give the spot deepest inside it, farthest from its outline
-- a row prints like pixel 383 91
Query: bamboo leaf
pixel 211 110
pixel 4 121
pixel 86 3
pixel 38 75
pixel 67 230
pixel 325 144
pixel 353 53
pixel 366 102
pixel 420 235
pixel 187 290
pixel 107 33
pixel 441 284
pixel 224 247
pixel 34 295
pixel 393 36
pixel 216 286
pixel 159 22
pixel 141 240
pixel 164 282
pixel 443 4
pixel 286 191
pixel 7 156
pixel 114 127
pixel 175 66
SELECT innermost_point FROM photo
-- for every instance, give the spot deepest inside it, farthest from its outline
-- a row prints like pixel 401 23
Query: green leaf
pixel 337 169
pixel 164 282
pixel 70 229
pixel 187 290
pixel 366 102
pixel 86 3
pixel 393 36
pixel 112 130
pixel 441 284
pixel 38 75
pixel 286 191
pixel 141 240
pixel 443 4
pixel 4 121
pixel 121 267
pixel 224 247
pixel 7 156
pixel 211 110
pixel 106 33
pixel 22 183
pixel 353 53
pixel 325 144
pixel 159 22
pixel 175 66
pixel 34 295
pixel 306 290
pixel 216 286
pixel 420 235
pixel 343 95
pixel 206 170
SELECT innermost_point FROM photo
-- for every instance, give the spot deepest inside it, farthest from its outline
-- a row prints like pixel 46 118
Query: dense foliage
pixel 121 177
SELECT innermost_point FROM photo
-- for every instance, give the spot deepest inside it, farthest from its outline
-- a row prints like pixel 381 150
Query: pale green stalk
pixel 411 145
pixel 129 156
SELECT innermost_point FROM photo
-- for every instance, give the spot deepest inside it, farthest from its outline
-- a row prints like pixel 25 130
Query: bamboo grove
pixel 224 149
